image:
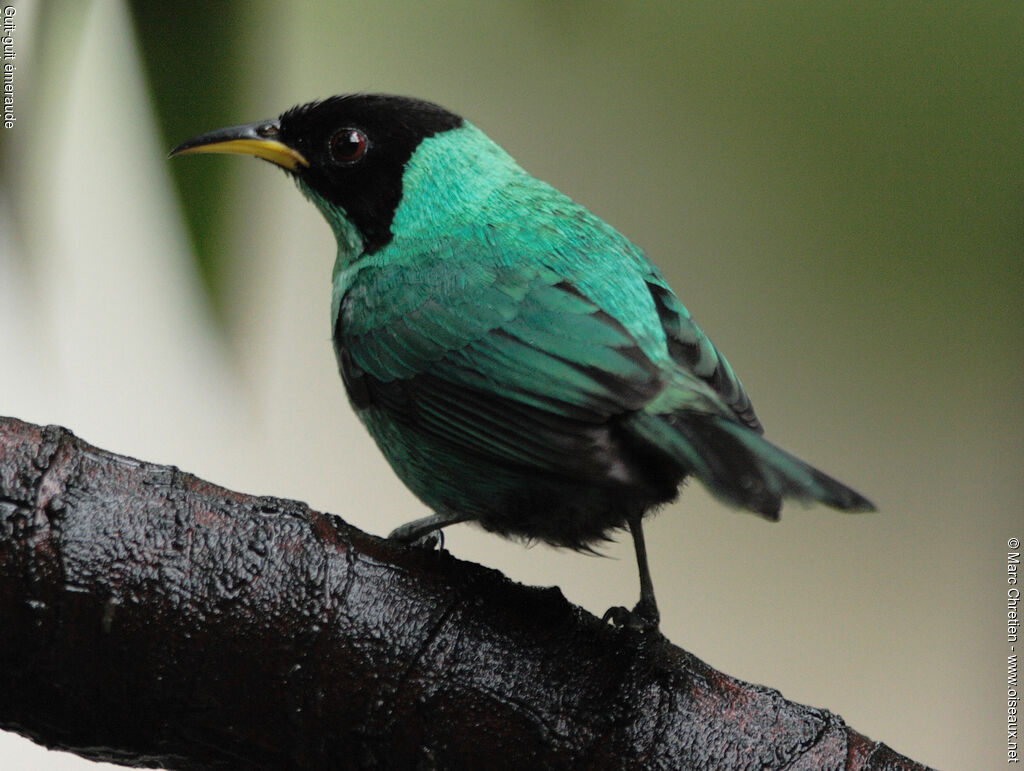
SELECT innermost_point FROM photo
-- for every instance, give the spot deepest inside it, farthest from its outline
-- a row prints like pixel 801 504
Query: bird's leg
pixel 426 532
pixel 645 614
pixel 647 607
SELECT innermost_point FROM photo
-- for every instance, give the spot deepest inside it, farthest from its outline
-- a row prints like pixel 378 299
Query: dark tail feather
pixel 741 466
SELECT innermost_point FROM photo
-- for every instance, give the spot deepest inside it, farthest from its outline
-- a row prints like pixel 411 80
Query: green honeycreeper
pixel 518 361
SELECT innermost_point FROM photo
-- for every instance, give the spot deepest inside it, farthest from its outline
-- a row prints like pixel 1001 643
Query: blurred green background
pixel 834 190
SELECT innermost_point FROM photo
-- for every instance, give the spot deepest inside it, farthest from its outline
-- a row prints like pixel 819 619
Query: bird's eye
pixel 348 146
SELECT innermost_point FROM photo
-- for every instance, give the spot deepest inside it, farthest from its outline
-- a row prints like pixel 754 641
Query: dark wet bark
pixel 150 618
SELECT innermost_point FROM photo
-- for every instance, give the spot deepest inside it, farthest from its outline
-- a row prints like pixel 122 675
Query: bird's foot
pixel 431 540
pixel 643 618
pixel 425 533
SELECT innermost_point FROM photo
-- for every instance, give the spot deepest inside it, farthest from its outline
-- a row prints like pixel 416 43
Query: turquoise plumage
pixel 518 361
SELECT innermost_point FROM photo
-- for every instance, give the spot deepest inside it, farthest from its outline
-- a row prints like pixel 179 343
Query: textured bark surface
pixel 150 618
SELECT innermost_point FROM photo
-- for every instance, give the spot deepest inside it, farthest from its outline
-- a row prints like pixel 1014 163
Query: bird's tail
pixel 740 466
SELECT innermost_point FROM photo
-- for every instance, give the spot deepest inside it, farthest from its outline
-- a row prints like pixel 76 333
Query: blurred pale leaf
pixel 195 68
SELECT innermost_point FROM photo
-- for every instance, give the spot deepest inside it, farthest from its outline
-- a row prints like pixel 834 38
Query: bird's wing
pixel 514 362
pixel 691 349
pixel 620 278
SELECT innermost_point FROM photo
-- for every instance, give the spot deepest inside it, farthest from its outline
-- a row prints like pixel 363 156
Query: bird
pixel 518 361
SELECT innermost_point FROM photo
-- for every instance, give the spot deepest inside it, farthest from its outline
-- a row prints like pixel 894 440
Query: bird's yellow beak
pixel 257 139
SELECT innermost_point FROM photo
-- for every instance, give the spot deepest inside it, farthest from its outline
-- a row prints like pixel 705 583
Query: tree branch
pixel 151 618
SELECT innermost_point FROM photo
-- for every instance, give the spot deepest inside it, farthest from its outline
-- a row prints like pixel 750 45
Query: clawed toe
pixel 426 532
pixel 642 618
pixel 431 540
pixel 617 616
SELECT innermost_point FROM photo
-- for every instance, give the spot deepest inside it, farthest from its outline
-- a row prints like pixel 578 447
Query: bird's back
pixel 482 256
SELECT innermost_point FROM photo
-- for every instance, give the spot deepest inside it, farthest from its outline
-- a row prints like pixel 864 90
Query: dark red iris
pixel 348 145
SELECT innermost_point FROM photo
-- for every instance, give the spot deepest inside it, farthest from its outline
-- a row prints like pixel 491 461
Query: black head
pixel 349 150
